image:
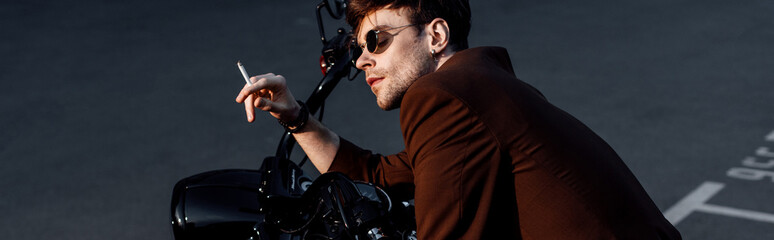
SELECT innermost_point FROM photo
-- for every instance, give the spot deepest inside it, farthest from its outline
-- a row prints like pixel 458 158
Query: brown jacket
pixel 487 157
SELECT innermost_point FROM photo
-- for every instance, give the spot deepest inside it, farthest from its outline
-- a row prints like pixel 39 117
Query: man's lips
pixel 373 80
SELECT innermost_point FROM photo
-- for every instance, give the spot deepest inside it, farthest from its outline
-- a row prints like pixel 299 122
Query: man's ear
pixel 438 30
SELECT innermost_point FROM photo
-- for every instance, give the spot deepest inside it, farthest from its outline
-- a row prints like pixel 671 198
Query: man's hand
pixel 269 92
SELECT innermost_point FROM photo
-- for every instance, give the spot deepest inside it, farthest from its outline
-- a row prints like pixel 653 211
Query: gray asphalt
pixel 104 105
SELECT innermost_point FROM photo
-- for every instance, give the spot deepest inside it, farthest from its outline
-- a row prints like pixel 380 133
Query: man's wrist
pixel 297 124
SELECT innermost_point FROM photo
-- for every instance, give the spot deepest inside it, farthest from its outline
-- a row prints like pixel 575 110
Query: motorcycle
pixel 279 201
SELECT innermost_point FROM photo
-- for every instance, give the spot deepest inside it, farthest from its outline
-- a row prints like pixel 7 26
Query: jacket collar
pixel 479 57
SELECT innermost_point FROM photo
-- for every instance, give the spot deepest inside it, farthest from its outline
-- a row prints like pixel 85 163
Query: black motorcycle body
pixel 279 201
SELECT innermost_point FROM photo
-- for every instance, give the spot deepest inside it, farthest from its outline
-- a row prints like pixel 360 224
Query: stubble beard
pixel 404 73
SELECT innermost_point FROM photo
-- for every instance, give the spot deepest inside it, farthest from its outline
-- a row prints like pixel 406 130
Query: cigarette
pixel 244 73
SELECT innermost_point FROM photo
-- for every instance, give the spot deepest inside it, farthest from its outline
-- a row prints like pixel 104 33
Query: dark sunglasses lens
pixel 372 40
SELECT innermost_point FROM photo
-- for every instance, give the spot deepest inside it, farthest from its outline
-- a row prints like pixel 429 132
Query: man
pixel 486 157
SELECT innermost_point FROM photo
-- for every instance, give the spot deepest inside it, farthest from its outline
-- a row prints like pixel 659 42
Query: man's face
pixel 401 57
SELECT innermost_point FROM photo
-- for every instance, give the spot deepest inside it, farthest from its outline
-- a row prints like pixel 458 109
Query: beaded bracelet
pixel 297 124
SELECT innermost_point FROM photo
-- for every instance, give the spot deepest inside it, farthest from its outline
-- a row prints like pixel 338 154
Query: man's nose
pixel 365 61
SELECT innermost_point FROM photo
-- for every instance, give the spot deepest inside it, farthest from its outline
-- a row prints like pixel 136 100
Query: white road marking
pixel 696 201
pixel 738 213
pixel 689 203
pixel 770 137
pixel 764 152
pixel 753 162
pixel 750 174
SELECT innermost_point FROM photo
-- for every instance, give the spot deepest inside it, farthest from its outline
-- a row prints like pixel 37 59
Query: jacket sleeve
pixel 391 172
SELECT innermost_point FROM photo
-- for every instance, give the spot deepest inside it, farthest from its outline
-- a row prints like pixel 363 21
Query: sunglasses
pixel 373 40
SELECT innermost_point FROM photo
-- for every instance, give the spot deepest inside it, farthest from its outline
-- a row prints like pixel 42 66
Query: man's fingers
pixel 243 94
pixel 255 78
pixel 249 108
pixel 264 104
pixel 261 84
pixel 262 93
pixel 261 87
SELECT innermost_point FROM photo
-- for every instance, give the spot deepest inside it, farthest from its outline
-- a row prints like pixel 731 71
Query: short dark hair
pixel 455 12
